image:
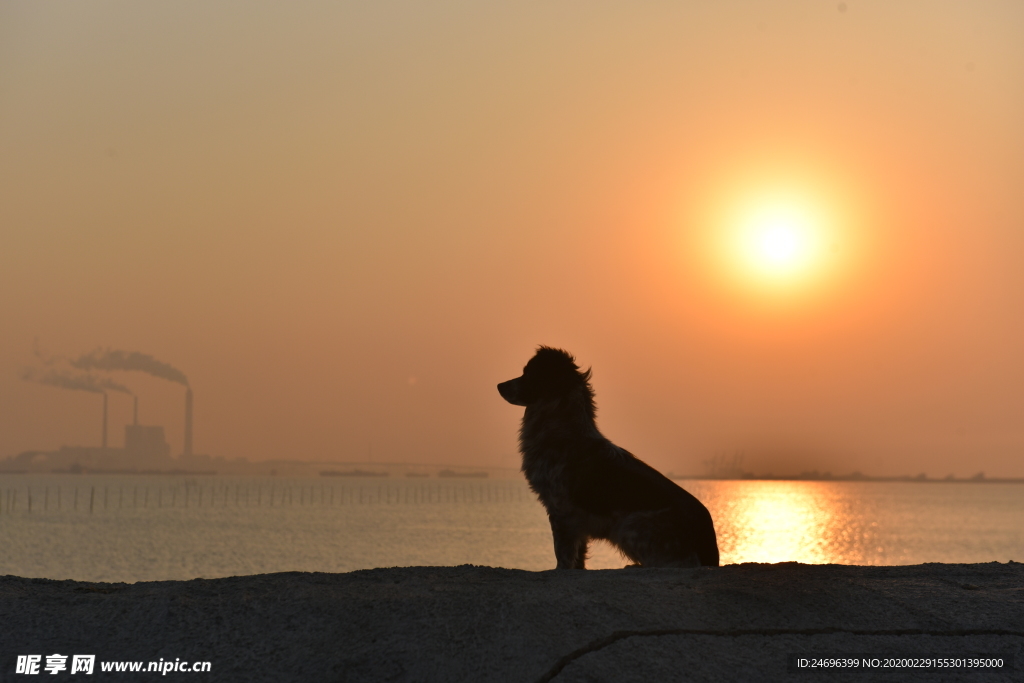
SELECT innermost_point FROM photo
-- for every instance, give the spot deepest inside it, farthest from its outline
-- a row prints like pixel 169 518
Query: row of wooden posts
pixel 99 497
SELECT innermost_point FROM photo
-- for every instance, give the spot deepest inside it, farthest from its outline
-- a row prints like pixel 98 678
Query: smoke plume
pixel 112 359
pixel 75 381
pixel 41 354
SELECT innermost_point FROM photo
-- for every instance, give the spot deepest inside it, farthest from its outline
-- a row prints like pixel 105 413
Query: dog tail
pixel 707 551
pixel 708 554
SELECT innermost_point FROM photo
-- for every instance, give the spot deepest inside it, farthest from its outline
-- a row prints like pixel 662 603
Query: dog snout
pixel 510 391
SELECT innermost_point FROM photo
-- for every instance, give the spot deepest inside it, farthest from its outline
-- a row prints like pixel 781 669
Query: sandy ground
pixel 734 623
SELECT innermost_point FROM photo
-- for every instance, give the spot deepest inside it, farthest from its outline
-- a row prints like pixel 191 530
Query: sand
pixel 733 623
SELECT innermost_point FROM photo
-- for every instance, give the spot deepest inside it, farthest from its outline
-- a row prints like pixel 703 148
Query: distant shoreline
pixel 482 475
pixel 902 480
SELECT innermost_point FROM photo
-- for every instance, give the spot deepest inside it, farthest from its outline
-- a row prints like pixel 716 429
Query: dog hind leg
pixel 655 539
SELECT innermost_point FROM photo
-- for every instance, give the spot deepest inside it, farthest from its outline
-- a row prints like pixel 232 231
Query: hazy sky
pixel 345 222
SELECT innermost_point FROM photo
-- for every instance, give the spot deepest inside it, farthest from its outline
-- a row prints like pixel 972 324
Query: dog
pixel 591 488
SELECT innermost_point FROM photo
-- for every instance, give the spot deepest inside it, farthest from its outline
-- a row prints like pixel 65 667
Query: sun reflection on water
pixel 791 521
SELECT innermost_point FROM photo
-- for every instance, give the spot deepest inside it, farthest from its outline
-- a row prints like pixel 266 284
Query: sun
pixel 778 235
pixel 778 241
pixel 775 242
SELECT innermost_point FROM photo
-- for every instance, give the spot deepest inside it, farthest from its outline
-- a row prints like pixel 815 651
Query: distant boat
pixel 352 473
pixel 474 475
pixel 416 474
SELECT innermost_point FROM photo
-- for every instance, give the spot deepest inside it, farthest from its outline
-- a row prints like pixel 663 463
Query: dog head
pixel 550 374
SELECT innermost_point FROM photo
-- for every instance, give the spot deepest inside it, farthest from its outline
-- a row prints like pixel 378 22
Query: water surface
pixel 142 528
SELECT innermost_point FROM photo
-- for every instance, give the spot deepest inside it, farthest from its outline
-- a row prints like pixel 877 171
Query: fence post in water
pixel 29 500
pixel 76 498
pixel 92 497
pixel 145 498
pixel 46 498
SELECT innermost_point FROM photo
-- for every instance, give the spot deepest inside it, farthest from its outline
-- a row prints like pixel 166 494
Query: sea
pixel 128 528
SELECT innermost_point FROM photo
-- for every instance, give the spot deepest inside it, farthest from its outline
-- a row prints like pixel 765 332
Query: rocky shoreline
pixel 468 623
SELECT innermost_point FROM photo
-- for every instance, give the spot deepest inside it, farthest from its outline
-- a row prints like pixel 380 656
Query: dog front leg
pixel 570 546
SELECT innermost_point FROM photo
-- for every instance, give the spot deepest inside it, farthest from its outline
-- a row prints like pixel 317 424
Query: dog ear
pixel 551 373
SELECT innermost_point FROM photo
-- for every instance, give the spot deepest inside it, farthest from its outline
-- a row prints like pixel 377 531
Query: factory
pixel 145 450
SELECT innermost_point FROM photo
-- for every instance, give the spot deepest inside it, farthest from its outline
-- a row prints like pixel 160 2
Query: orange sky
pixel 346 222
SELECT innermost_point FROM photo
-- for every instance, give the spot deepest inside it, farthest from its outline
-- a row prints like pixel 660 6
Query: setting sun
pixel 778 240
pixel 781 241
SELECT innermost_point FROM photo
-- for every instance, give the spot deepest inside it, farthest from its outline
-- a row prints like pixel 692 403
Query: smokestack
pixel 135 420
pixel 188 422
pixel 104 419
